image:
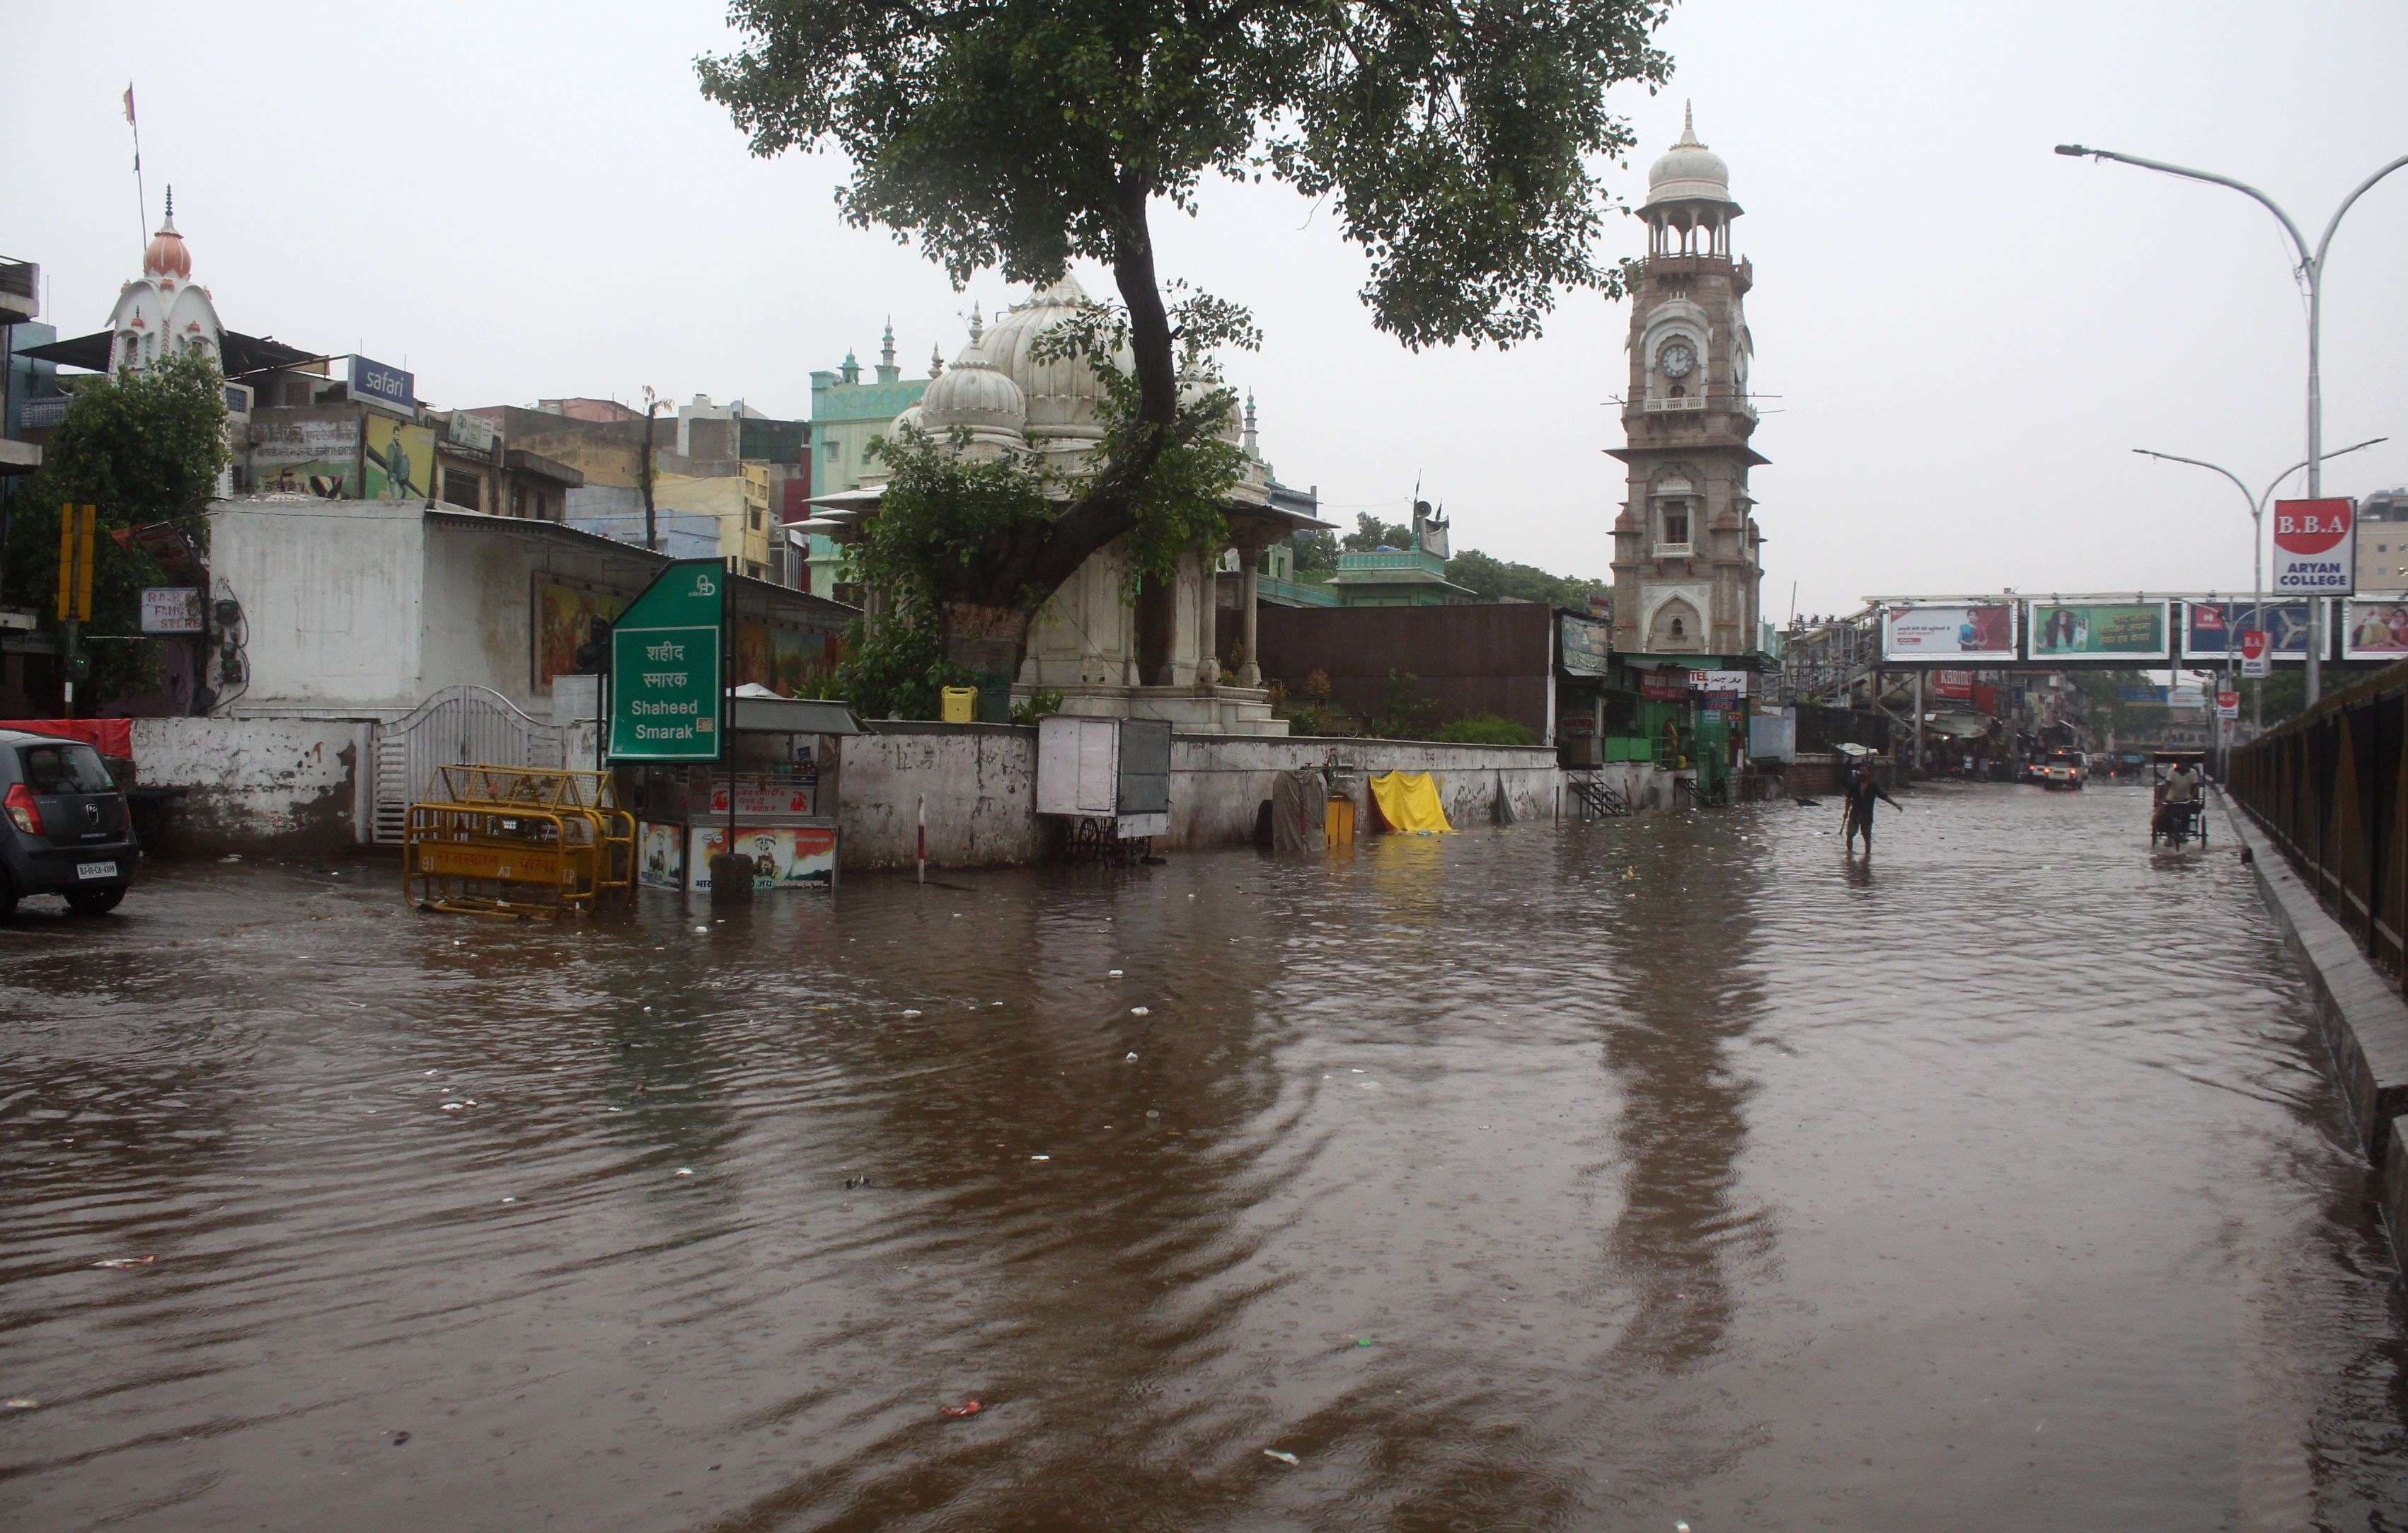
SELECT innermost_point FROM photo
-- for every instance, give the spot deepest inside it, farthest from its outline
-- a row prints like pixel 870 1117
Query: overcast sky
pixel 1965 335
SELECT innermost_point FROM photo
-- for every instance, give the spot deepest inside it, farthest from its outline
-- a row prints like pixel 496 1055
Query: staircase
pixel 1597 797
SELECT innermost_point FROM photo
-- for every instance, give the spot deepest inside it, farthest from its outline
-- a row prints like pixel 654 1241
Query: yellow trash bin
pixel 960 705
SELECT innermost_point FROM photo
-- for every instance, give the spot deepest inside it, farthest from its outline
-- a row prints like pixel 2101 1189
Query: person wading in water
pixel 1860 793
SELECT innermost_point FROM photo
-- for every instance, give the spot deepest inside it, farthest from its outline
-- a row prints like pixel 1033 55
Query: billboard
pixel 387 387
pixel 307 458
pixel 1954 632
pixel 1586 646
pixel 790 662
pixel 399 462
pixel 2375 630
pixel 2209 626
pixel 564 619
pixel 2315 548
pixel 2132 630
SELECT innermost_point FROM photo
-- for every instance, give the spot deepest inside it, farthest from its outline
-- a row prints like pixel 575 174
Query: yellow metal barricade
pixel 521 841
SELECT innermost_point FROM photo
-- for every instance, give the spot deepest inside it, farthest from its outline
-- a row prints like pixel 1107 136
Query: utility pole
pixel 2311 272
pixel 75 592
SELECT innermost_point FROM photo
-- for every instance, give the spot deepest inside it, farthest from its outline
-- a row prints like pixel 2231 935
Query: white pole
pixel 923 838
pixel 2310 268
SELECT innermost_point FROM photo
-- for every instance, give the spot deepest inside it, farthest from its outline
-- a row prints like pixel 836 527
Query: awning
pixel 866 498
pixel 241 354
pixel 791 716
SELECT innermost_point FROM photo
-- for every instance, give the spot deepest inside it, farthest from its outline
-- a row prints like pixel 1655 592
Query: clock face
pixel 1676 360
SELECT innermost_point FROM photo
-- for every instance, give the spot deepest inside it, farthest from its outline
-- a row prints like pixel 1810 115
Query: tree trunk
pixel 989 641
pixel 644 477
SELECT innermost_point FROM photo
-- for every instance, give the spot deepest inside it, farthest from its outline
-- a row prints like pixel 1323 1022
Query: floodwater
pixel 1592 1177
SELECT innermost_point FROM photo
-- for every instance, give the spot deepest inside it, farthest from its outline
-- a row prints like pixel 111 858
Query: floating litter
pixel 967 1408
pixel 1288 1459
pixel 1041 1157
pixel 686 1171
pixel 454 1107
pixel 1132 1057
pixel 19 1402
pixel 121 1264
pixel 1139 1011
pixel 909 1011
pixel 1112 974
pixel 509 1200
pixel 702 931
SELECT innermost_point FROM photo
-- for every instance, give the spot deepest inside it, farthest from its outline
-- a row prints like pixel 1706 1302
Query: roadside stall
pixel 773 797
pixel 735 774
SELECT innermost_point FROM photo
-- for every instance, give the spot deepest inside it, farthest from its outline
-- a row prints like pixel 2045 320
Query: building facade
pixel 847 415
pixel 1688 555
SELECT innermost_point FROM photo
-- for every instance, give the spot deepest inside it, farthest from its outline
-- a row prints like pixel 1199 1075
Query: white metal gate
pixel 457 726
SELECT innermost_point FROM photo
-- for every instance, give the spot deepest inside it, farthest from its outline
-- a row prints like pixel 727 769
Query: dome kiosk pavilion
pixel 1109 657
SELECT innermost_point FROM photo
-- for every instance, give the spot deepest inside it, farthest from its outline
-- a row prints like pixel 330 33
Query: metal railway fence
pixel 2328 787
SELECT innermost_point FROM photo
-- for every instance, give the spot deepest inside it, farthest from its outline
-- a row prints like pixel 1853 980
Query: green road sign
pixel 665 665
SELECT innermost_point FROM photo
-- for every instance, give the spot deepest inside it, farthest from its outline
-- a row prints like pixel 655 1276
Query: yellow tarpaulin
pixel 1408 802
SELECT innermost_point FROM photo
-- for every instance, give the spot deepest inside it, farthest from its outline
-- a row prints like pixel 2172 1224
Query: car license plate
pixel 96 870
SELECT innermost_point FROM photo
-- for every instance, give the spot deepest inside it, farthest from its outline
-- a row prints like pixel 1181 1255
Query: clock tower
pixel 1687 557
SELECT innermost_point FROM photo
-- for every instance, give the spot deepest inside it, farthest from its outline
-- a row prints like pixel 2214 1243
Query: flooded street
pixel 1585 1178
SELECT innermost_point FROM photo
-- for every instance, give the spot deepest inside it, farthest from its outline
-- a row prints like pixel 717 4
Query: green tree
pixel 1452 139
pixel 1498 580
pixel 1317 556
pixel 143 447
pixel 1370 534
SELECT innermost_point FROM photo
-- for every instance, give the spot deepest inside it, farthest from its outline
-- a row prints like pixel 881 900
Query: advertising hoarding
pixel 2209 626
pixel 566 617
pixel 1586 645
pixel 387 387
pixel 399 462
pixel 2375 630
pixel 307 458
pixel 1954 632
pixel 1956 684
pixel 2315 548
pixel 783 856
pixel 2136 630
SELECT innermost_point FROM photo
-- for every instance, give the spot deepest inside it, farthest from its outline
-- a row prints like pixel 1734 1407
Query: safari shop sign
pixel 2315 548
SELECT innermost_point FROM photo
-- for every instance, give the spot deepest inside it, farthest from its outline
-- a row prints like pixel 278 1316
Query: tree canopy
pixel 143 447
pixel 1453 141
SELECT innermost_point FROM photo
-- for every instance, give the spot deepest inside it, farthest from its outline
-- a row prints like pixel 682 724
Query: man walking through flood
pixel 1860 794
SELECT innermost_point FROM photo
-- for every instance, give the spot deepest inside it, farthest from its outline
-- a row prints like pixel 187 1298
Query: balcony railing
pixel 1738 404
pixel 1393 559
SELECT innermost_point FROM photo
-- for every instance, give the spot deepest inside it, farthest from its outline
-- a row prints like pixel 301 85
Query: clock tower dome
pixel 1688 556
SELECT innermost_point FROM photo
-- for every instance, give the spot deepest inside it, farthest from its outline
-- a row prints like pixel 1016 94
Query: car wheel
pixel 94 901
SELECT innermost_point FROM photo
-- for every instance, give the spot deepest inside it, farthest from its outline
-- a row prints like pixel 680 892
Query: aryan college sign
pixel 2315 548
pixel 665 665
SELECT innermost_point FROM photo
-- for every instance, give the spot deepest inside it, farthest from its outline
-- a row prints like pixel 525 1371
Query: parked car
pixel 64 829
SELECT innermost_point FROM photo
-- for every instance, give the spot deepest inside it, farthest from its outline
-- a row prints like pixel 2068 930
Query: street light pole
pixel 2312 269
pixel 2256 505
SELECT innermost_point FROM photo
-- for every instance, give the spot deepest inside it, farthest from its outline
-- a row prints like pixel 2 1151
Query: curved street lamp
pixel 2312 267
pixel 2256 505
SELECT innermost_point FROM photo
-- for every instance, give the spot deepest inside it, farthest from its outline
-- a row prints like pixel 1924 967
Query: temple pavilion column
pixel 1208 622
pixel 1249 668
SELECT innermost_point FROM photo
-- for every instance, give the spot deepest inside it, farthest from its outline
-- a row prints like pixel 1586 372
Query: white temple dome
pixel 972 393
pixel 1062 395
pixel 1688 171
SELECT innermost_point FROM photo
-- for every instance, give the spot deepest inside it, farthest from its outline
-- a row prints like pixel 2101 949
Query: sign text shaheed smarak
pixel 665 666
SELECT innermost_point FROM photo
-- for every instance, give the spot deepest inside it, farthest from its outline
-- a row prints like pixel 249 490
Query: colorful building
pixel 847 415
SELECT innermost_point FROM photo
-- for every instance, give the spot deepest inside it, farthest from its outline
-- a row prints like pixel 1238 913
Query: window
pixel 753 569
pixel 1680 629
pixel 756 519
pixel 1676 523
pixel 518 500
pixel 64 768
pixel 462 488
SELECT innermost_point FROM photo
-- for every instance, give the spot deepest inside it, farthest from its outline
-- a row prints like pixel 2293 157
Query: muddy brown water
pixel 1596 1176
